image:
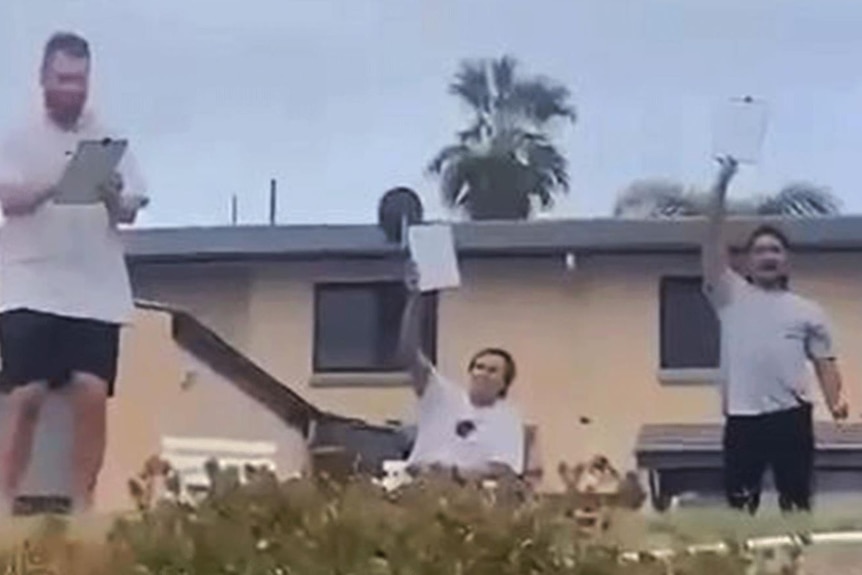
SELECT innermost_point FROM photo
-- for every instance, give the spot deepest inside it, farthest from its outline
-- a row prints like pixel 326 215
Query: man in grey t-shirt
pixel 769 336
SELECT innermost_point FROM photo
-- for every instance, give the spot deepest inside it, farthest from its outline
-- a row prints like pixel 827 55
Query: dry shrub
pixel 315 525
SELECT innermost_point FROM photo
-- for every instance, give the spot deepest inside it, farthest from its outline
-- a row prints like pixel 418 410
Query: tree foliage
pixel 505 159
pixel 657 198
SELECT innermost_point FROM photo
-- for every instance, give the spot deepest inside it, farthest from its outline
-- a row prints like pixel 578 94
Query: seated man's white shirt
pixel 62 259
pixel 497 437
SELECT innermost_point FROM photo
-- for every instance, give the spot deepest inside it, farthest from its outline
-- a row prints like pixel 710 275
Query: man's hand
pixel 122 208
pixel 134 203
pixel 729 167
pixel 111 190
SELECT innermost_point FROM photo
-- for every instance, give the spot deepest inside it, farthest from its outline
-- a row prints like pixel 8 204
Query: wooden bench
pixel 684 458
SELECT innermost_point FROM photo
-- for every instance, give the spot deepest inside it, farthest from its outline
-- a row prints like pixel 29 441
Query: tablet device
pixel 93 164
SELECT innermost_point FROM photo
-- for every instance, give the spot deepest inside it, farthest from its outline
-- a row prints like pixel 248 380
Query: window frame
pixel 690 375
pixel 338 376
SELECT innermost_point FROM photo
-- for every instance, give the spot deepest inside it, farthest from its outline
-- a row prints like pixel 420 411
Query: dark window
pixel 357 326
pixel 690 332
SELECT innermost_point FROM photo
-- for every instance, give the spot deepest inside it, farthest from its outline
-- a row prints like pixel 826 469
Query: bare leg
pixel 89 398
pixel 20 419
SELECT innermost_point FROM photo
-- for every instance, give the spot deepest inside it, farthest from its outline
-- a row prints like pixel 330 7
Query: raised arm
pixel 714 249
pixel 410 341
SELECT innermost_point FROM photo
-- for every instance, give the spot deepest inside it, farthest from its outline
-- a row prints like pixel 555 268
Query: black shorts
pixel 42 347
pixel 782 441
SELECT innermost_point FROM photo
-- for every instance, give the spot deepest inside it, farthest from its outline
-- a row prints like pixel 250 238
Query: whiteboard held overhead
pixel 432 248
pixel 740 129
pixel 93 164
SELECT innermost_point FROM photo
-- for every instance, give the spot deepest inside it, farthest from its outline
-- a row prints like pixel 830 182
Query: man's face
pixel 65 84
pixel 487 378
pixel 767 261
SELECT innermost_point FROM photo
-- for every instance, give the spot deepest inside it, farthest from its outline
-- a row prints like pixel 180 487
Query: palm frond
pixel 498 188
pixel 471 85
pixel 476 133
pixel 458 179
pixel 668 199
pixel 454 185
pixel 504 158
pixel 543 156
pixel 447 155
pixel 657 198
pixel 503 72
pixel 800 200
pixel 541 101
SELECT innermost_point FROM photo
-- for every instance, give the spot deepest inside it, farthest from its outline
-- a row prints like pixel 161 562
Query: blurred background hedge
pixel 316 526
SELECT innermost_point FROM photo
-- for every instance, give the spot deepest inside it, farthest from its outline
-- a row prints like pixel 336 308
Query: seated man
pixel 474 432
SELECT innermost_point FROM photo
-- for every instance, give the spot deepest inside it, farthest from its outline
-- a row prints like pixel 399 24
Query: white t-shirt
pixel 64 260
pixel 490 434
pixel 767 339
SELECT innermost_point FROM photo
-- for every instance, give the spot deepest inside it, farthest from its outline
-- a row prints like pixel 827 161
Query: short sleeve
pixel 818 337
pixel 725 289
pixel 507 442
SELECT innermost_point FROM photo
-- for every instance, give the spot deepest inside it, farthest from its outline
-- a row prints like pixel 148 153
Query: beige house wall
pixel 586 340
pixel 164 391
pixel 216 295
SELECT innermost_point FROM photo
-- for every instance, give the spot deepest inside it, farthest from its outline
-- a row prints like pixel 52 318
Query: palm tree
pixel 658 198
pixel 505 160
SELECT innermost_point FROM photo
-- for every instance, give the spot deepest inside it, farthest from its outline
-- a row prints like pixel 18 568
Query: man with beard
pixel 64 287
pixel 769 334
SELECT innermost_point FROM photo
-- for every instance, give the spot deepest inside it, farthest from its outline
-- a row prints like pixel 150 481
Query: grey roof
pixel 474 239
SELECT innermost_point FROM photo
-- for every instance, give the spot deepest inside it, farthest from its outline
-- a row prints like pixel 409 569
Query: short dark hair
pixel 764 231
pixel 767 230
pixel 510 371
pixel 68 43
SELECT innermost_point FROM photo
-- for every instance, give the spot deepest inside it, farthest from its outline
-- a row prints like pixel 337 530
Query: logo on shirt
pixel 464 428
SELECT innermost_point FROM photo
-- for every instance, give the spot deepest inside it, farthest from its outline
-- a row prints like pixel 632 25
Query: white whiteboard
pixel 740 129
pixel 432 247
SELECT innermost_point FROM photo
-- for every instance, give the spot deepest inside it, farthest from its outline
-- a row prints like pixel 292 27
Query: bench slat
pixel 708 437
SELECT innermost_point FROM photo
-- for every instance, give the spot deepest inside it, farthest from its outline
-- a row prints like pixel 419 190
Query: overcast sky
pixel 343 99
